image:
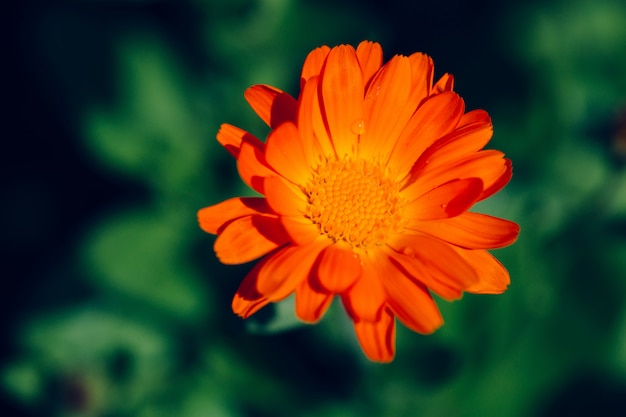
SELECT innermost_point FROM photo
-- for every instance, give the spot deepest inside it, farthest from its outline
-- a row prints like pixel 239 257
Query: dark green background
pixel 114 304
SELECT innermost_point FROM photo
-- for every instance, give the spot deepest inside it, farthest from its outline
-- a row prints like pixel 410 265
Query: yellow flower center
pixel 354 201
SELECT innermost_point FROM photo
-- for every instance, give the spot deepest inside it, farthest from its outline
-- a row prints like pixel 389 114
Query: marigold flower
pixel 367 178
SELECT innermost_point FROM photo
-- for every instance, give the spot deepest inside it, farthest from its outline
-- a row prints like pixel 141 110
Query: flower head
pixel 366 181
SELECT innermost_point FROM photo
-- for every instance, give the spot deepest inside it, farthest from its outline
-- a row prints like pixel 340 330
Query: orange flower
pixel 367 179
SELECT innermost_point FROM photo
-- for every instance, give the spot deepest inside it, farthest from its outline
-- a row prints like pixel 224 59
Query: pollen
pixel 354 201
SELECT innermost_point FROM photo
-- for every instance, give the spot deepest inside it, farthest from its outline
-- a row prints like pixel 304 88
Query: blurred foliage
pixel 125 310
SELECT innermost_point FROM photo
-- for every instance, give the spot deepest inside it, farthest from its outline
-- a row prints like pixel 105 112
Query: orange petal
pixel 370 56
pixel 377 338
pixel 389 105
pixel 411 267
pixel 365 299
pixel 283 199
pixel 338 267
pixel 285 154
pixel 438 116
pixel 231 137
pixel 500 182
pixel 286 269
pixel 310 303
pixel 447 200
pixel 471 135
pixel 273 106
pixel 318 122
pixel 493 276
pixel 342 95
pixel 436 257
pixel 315 148
pixel 444 84
pixel 247 299
pixel 422 68
pixel 476 117
pixel 252 166
pixel 490 166
pixel 408 298
pixel 313 63
pixel 213 219
pixel 245 308
pixel 471 230
pixel 248 238
pixel 301 230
